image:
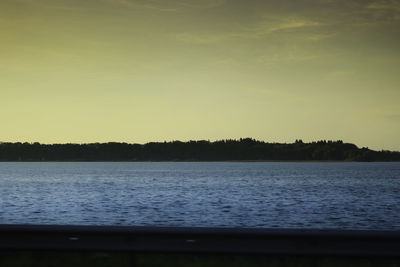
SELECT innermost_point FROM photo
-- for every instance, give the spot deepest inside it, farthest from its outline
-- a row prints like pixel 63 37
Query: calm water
pixel 262 194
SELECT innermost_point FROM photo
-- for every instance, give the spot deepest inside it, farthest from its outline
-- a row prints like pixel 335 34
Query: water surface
pixel 219 194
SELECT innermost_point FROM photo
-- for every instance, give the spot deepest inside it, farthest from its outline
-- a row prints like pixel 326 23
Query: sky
pixel 136 71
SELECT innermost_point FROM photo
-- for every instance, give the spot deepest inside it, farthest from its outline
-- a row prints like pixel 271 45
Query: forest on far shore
pixel 244 149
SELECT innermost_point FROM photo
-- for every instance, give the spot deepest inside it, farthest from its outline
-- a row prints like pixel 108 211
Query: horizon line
pixel 196 140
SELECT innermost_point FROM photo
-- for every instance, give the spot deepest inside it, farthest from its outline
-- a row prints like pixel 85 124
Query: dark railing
pixel 201 240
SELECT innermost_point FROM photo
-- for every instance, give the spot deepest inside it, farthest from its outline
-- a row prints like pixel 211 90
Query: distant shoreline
pixel 242 150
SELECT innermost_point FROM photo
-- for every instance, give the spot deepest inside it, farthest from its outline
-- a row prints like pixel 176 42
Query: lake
pixel 323 195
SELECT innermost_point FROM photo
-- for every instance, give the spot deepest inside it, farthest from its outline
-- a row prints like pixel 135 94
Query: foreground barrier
pixel 201 240
pixel 42 245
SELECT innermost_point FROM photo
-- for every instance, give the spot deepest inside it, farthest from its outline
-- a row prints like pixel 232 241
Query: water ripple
pixel 262 194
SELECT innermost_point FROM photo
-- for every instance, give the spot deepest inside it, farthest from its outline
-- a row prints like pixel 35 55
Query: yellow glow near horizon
pixel 139 71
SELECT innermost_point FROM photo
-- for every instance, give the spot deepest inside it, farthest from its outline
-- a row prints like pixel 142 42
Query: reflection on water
pixel 251 194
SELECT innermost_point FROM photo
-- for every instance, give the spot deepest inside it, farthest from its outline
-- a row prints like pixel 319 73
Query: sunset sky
pixel 153 70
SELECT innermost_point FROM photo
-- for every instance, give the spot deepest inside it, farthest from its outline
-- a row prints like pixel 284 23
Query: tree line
pixel 244 149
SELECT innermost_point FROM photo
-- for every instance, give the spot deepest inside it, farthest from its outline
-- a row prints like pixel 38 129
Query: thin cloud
pixel 339 74
pixel 384 5
pixel 320 36
pixel 203 38
pixel 292 25
pixel 60 4
pixel 259 30
pixel 168 6
pixel 385 10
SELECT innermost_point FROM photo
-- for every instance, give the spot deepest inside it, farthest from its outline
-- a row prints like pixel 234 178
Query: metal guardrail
pixel 201 240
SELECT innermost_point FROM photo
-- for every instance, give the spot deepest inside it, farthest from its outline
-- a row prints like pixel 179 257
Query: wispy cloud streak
pixel 168 6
